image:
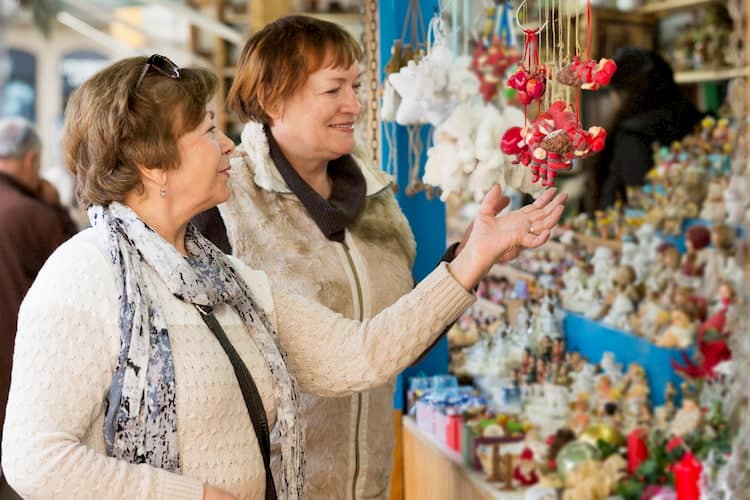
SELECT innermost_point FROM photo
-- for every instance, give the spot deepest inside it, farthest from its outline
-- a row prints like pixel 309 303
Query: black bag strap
pixel 250 394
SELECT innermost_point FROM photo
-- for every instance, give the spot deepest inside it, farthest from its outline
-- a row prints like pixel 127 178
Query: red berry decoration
pixel 530 86
pixel 552 142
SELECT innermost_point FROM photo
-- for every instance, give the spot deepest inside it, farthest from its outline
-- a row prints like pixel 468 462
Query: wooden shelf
pixel 666 6
pixel 710 75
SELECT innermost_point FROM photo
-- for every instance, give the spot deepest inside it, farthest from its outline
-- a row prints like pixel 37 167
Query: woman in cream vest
pixel 321 222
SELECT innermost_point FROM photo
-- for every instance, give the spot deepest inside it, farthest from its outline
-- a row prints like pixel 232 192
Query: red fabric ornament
pixel 491 63
pixel 588 75
pixel 530 86
pixel 552 142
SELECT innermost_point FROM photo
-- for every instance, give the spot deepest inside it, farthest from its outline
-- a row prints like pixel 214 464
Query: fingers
pixel 531 240
pixel 492 200
pixel 548 217
pixel 501 204
pixel 540 202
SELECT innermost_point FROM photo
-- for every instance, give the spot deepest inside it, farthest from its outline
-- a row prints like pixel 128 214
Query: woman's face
pixel 317 122
pixel 200 181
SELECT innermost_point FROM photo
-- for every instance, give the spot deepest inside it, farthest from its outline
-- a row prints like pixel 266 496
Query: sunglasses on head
pixel 160 64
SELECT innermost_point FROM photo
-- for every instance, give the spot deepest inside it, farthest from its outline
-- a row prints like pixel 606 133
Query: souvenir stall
pixel 604 363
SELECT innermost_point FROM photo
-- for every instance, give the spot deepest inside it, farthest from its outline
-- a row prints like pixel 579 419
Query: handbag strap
pixel 250 394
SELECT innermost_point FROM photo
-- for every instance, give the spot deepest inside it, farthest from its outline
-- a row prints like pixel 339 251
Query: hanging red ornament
pixel 530 80
pixel 588 75
pixel 530 86
pixel 552 142
pixel 495 52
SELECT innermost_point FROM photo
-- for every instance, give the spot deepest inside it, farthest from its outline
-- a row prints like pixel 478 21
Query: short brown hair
pixel 111 126
pixel 277 60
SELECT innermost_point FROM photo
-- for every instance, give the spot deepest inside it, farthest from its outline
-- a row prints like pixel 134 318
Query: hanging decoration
pixel 425 89
pixel 555 139
pixel 495 51
pixel 403 51
pixel 530 79
pixel 587 75
pixel 552 142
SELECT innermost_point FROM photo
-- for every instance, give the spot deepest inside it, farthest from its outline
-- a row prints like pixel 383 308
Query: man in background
pixel 32 226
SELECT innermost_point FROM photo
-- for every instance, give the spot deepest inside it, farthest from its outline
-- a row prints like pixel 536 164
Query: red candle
pixel 687 473
pixel 637 449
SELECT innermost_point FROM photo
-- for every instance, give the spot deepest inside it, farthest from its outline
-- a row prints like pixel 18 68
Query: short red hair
pixel 277 60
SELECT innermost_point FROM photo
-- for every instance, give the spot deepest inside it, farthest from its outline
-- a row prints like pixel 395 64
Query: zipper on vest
pixel 360 304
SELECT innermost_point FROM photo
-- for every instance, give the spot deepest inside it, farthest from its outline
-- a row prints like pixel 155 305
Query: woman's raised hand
pixel 494 239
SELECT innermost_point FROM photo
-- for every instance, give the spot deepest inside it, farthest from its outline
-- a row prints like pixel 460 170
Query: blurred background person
pixel 32 226
pixel 650 108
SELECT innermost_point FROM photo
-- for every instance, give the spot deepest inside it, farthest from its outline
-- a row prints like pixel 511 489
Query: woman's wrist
pixel 467 269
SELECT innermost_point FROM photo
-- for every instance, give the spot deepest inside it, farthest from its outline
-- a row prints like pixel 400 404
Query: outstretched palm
pixel 492 238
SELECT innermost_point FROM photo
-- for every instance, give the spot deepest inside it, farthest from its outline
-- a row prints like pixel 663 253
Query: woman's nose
pixel 354 104
pixel 227 144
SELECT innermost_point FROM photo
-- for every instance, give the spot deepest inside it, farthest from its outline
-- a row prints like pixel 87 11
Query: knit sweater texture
pixel 68 338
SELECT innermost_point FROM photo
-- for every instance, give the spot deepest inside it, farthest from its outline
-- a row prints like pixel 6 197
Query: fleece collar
pixel 254 144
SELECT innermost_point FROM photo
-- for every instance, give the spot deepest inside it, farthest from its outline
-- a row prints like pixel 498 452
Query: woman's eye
pixel 357 86
pixel 211 130
pixel 333 91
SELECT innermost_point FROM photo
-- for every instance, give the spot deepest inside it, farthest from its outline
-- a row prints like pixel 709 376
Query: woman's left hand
pixel 501 238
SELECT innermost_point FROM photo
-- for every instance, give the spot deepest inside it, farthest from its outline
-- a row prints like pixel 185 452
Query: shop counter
pixel 432 471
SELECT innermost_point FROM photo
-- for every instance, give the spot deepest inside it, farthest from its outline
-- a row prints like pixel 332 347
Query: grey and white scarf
pixel 141 421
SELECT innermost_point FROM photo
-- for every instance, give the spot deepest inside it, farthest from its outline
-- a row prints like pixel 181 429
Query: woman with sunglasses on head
pixel 322 222
pixel 148 364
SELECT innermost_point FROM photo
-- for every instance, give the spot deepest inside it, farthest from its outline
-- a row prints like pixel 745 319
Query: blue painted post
pixel 427 217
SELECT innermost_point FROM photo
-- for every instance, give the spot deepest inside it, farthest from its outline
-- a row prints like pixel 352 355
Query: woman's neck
pixel 157 215
pixel 313 171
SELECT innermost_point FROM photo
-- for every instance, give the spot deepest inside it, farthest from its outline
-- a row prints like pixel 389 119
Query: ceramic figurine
pixel 714 209
pixel 580 418
pixel 664 270
pixel 663 414
pixel 687 418
pixel 697 238
pixel 652 317
pixel 718 260
pixel 625 295
pixel 681 331
pixel 525 472
pixel 603 270
pixel 605 392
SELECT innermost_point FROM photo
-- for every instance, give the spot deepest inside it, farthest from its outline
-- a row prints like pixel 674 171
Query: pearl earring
pixel 162 192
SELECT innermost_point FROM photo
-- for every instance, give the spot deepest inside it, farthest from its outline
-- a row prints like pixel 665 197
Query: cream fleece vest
pixel 349 440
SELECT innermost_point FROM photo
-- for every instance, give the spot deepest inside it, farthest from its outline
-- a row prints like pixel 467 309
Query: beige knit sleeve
pixel 331 355
pixel 64 357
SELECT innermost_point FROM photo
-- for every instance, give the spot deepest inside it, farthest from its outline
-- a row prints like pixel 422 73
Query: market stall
pixel 610 348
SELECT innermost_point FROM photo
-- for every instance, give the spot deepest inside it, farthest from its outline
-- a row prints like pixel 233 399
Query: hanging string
pixel 415 154
pixel 405 28
pixel 578 43
pixel 588 29
pixel 391 163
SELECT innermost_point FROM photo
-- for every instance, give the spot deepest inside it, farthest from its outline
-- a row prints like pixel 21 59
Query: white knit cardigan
pixel 64 358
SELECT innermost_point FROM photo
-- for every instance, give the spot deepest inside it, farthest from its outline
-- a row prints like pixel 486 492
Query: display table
pixel 432 471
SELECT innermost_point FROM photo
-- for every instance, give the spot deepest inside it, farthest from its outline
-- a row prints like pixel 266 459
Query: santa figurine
pixel 525 472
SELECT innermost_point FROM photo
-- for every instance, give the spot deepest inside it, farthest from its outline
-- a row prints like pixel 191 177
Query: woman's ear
pixel 153 178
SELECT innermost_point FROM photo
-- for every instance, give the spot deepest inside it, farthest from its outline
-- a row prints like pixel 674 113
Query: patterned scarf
pixel 141 421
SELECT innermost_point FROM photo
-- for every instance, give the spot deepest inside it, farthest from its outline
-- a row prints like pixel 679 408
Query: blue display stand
pixel 426 217
pixel 592 339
